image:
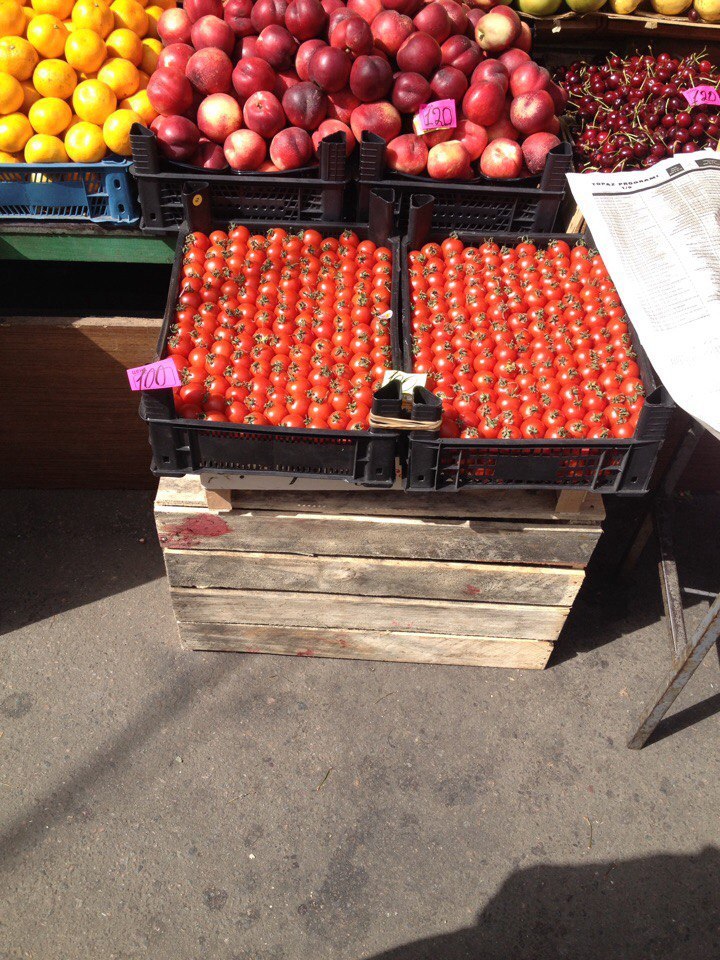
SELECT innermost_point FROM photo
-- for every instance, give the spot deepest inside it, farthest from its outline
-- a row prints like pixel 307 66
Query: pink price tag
pixel 703 94
pixel 438 115
pixel 155 376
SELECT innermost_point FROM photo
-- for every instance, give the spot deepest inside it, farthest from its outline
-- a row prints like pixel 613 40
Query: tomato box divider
pixel 603 466
pixel 192 446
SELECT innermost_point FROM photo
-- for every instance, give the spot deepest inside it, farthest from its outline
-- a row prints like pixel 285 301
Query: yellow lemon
pixel 166 4
pixel 151 50
pixel 15 131
pixel 94 101
pixel 84 143
pixel 44 149
pixel 85 50
pixel 11 94
pixel 12 19
pixel 17 57
pixel 126 45
pixel 143 79
pixel 58 8
pixel 130 14
pixel 48 35
pixel 121 76
pixel 50 116
pixel 93 15
pixel 30 95
pixel 54 78
pixel 9 157
pixel 116 131
pixel 140 104
pixel 28 13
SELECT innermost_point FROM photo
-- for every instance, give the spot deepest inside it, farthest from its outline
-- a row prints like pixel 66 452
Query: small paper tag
pixel 696 96
pixel 438 115
pixel 408 380
pixel 155 376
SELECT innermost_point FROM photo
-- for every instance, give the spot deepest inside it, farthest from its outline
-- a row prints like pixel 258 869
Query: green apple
pixel 539 8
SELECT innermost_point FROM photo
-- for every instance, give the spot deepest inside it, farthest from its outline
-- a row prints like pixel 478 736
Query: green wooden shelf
pixel 82 243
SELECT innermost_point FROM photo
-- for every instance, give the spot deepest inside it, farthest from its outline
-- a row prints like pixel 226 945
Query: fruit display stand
pixel 532 204
pixel 478 580
pixel 101 193
pixel 566 33
pixel 318 193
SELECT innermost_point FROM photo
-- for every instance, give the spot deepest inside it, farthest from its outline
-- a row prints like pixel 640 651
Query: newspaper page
pixel 658 231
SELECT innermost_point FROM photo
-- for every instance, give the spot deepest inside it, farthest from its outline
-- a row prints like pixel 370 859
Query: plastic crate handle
pixel 333 156
pixel 197 206
pixel 144 149
pixel 420 218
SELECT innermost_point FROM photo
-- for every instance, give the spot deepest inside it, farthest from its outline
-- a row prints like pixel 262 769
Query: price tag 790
pixel 704 94
pixel 438 115
pixel 155 376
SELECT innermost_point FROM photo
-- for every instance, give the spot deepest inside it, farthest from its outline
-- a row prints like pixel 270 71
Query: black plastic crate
pixel 480 205
pixel 312 195
pixel 365 458
pixel 601 466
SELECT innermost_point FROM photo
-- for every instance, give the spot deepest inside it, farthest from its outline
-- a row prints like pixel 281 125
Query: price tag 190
pixel 704 94
pixel 155 376
pixel 438 115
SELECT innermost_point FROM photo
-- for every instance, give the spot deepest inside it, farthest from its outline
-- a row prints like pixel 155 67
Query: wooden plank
pixel 79 424
pixel 337 611
pixel 544 586
pixel 571 503
pixel 219 501
pixel 87 325
pixel 412 538
pixel 368 645
pixel 185 491
pixel 501 504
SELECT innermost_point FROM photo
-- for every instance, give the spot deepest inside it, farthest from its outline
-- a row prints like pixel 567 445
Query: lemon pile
pixel 73 75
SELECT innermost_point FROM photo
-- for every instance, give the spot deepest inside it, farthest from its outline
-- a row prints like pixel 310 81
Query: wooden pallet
pixel 484 579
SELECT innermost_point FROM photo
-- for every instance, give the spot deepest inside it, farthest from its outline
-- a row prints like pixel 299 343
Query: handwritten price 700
pixel 155 376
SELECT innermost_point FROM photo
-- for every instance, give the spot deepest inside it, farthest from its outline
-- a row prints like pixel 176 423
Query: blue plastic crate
pixel 96 192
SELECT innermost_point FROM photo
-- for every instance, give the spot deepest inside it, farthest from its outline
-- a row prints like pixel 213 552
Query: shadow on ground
pixel 608 607
pixel 54 808
pixel 655 908
pixel 64 549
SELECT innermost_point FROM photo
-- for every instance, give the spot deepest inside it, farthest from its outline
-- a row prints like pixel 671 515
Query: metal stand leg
pixel 686 655
pixel 703 638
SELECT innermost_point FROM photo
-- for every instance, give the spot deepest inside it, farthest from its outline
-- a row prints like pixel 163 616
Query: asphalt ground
pixel 165 804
